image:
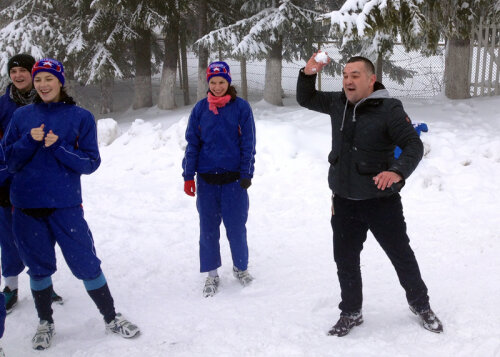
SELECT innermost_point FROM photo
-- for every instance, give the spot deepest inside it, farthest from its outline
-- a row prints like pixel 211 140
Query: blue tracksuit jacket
pixel 220 143
pixel 49 177
pixel 7 109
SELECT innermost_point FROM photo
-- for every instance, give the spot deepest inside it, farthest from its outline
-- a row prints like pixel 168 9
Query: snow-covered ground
pixel 146 233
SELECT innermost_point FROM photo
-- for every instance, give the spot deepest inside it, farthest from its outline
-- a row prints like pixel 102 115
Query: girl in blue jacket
pixel 19 93
pixel 221 151
pixel 48 145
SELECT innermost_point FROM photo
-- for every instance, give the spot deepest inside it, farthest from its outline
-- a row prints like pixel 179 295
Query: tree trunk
pixel 184 66
pixel 107 85
pixel 166 99
pixel 244 82
pixel 143 93
pixel 272 86
pixel 379 66
pixel 456 70
pixel 202 87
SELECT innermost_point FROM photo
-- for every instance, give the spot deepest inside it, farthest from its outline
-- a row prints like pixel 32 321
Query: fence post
pixel 319 74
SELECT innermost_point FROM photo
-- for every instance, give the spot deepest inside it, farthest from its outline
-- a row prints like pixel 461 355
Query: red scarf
pixel 217 102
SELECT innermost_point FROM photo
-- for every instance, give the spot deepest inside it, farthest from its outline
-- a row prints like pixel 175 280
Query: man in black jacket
pixel 365 179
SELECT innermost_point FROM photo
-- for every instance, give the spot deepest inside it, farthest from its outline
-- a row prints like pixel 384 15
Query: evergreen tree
pixel 421 24
pixel 30 26
pixel 98 48
pixel 142 19
pixel 272 30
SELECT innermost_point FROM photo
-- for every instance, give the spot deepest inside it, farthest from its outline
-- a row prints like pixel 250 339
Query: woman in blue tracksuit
pixel 221 151
pixel 48 145
pixel 19 93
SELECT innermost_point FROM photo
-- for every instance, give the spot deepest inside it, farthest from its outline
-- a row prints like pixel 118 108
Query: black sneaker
pixel 56 298
pixel 429 319
pixel 10 299
pixel 346 323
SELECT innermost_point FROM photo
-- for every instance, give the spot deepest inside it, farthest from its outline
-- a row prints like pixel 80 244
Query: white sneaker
pixel 243 276
pixel 211 286
pixel 122 327
pixel 2 354
pixel 43 335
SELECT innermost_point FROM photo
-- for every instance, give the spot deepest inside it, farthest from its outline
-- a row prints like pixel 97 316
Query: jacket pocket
pixel 370 162
pixel 333 157
pixel 371 168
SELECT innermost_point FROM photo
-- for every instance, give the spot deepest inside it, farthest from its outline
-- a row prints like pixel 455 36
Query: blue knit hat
pixel 49 65
pixel 220 69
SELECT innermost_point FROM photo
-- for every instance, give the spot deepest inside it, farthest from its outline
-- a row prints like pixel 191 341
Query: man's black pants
pixel 384 218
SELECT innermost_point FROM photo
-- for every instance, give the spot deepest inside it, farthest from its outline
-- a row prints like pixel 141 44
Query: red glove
pixel 189 187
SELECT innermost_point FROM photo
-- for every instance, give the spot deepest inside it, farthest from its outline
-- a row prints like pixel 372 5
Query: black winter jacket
pixel 364 136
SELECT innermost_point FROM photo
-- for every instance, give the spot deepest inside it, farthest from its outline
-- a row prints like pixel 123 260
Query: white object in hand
pixel 321 57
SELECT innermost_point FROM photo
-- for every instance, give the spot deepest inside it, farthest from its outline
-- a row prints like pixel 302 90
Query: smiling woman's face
pixel 48 87
pixel 218 86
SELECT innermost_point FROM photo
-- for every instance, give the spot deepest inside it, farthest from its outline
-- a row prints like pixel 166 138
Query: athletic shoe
pixel 346 323
pixel 2 354
pixel 43 335
pixel 10 299
pixel 122 327
pixel 211 286
pixel 243 276
pixel 56 298
pixel 429 319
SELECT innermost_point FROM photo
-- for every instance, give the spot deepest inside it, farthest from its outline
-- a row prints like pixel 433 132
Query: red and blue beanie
pixel 220 69
pixel 49 65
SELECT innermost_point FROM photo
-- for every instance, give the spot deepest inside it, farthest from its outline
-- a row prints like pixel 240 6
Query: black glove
pixel 245 183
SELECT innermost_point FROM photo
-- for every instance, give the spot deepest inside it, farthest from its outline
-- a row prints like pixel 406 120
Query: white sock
pixel 213 273
pixel 11 282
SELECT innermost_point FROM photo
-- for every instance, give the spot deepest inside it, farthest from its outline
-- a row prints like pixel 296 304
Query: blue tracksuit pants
pixel 36 239
pixel 228 203
pixel 12 265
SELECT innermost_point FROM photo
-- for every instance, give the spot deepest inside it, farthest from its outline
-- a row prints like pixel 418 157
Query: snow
pixel 321 57
pixel 107 131
pixel 146 233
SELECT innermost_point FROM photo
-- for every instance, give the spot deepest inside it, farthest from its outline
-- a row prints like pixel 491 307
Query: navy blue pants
pixel 384 218
pixel 12 265
pixel 36 239
pixel 228 203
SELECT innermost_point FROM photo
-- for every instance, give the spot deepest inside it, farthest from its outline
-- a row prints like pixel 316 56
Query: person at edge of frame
pixel 365 179
pixel 48 146
pixel 18 93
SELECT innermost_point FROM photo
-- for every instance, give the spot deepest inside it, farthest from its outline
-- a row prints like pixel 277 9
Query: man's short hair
pixel 368 64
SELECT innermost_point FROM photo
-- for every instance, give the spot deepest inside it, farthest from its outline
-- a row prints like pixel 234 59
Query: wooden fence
pixel 484 72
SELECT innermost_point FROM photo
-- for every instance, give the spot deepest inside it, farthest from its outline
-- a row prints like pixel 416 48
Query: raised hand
pixel 316 63
pixel 51 138
pixel 38 133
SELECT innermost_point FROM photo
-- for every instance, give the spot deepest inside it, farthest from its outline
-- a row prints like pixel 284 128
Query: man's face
pixel 21 78
pixel 358 83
